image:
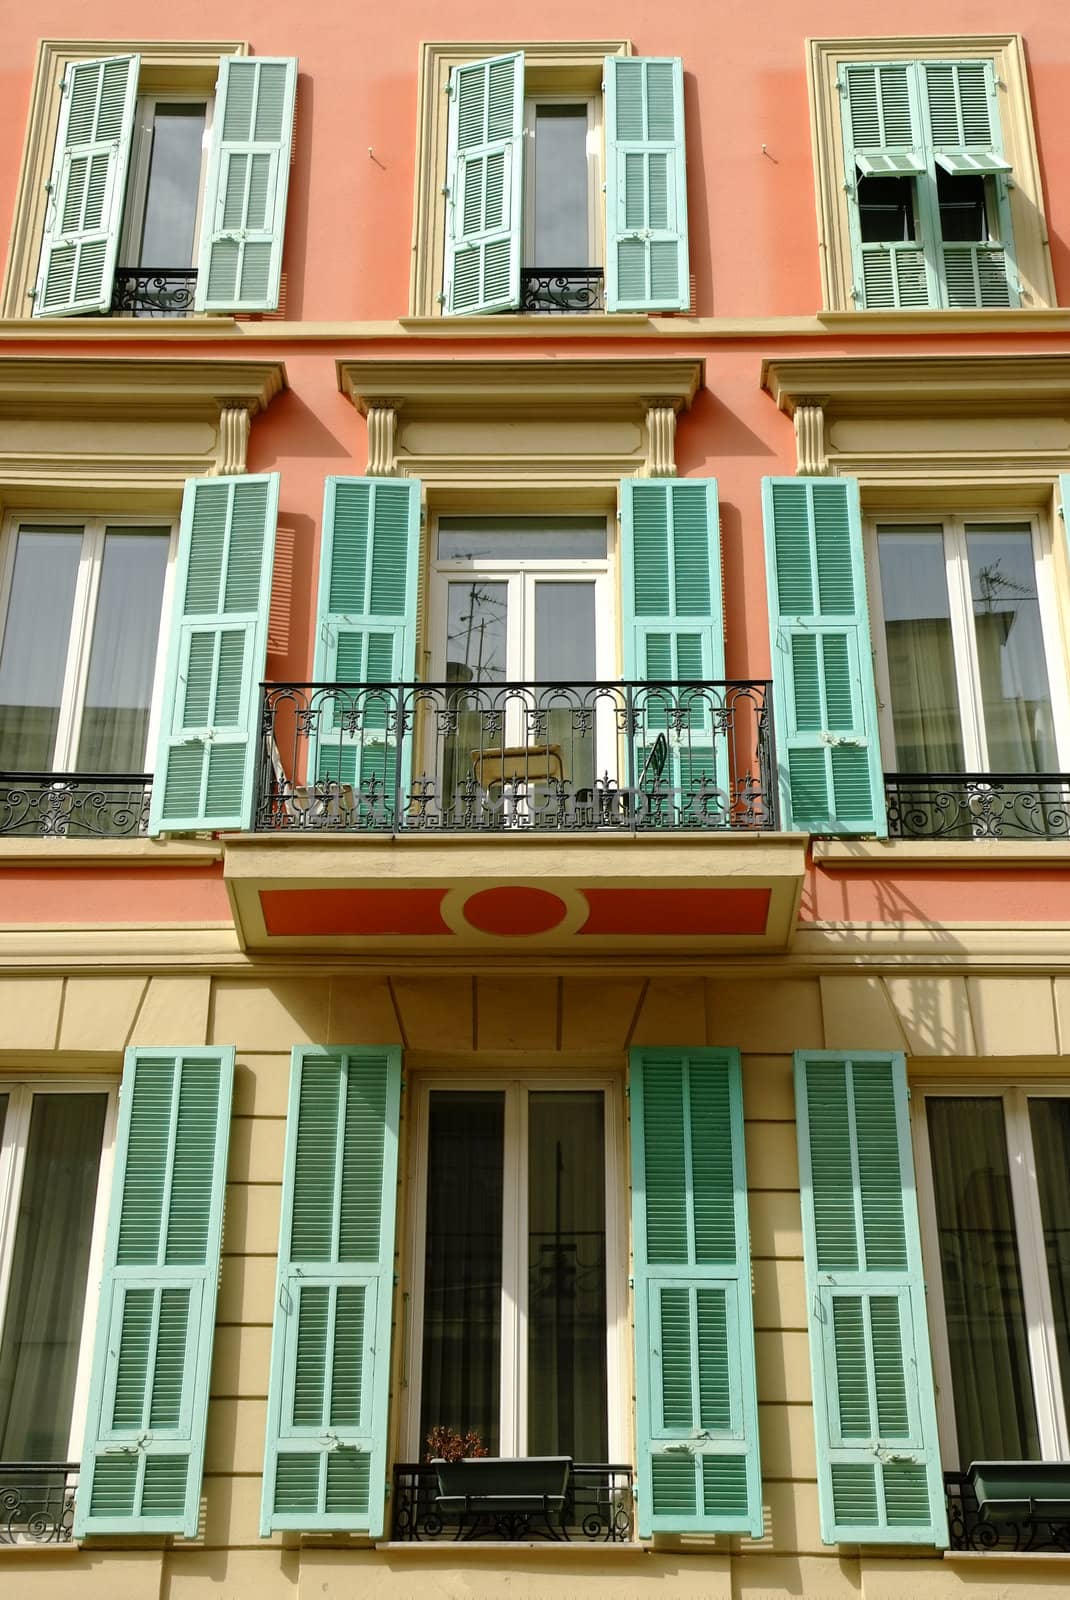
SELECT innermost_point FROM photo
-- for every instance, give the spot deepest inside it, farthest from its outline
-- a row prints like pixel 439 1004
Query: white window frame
pixel 1052 1422
pixel 513 1349
pixel 967 669
pixel 596 222
pixel 83 614
pixel 21 1092
pixel 137 184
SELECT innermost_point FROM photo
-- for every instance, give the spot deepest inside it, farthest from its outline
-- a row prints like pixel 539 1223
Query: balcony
pixel 37 1501
pixel 993 805
pixel 565 290
pixel 74 805
pixel 153 291
pixel 599 1508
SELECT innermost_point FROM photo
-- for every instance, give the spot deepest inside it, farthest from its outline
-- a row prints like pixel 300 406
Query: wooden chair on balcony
pixel 512 770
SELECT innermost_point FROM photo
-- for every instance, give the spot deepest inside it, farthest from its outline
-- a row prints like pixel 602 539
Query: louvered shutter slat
pixel 208 747
pixel 646 185
pixel 325 1461
pixel 824 691
pixel 484 186
pixel 240 262
pixel 879 1477
pixel 144 1447
pixel 696 1398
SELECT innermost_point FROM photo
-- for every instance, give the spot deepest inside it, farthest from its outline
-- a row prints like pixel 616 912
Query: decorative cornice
pixel 58 386
pixel 448 387
pixel 919 385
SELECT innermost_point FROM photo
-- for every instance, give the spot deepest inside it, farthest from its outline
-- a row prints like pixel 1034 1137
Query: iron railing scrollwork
pixel 990 805
pixel 37 1501
pixel 599 1507
pixel 561 289
pixel 497 757
pixel 75 805
pixel 968 1530
pixel 153 291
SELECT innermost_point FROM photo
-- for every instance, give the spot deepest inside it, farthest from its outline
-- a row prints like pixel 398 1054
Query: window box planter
pixel 1021 1490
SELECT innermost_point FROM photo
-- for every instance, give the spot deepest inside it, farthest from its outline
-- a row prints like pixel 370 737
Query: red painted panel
pixel 94 895
pixel 311 912
pixel 677 911
pixel 514 910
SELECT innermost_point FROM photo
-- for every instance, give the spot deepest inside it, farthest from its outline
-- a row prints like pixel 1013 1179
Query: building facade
pixel 534 793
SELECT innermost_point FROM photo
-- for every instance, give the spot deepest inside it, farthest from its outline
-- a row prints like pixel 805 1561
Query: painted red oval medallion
pixel 510 911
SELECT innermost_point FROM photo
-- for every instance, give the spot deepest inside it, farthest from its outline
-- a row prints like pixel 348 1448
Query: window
pixel 514 141
pixel 164 172
pixel 928 184
pixel 80 658
pixel 54 1156
pixel 998 1224
pixel 518 1300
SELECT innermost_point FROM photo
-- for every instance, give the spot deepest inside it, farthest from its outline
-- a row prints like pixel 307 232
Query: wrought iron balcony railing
pixel 599 1507
pixel 153 291
pixel 561 289
pixel 74 805
pixel 991 805
pixel 37 1501
pixel 968 1530
pixel 494 757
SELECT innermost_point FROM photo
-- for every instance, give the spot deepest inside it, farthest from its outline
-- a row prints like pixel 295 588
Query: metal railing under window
pixel 498 757
pixel 37 1501
pixel 153 291
pixel 599 1507
pixel 968 1530
pixel 74 805
pixel 561 289
pixel 991 805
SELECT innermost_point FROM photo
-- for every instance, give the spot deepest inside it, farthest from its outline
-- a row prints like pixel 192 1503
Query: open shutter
pixel 696 1394
pixel 85 194
pixel 144 1445
pixel 878 1459
pixel 484 186
pixel 646 185
pixel 882 137
pixel 325 1462
pixel 962 110
pixel 824 693
pixel 674 633
pixel 240 261
pixel 366 634
pixel 208 748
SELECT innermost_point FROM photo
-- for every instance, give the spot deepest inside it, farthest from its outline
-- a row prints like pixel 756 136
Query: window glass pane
pixel 122 657
pixel 33 658
pixel 521 538
pixel 921 657
pixel 46 1298
pixel 1050 1123
pixel 476 632
pixel 174 177
pixel 885 209
pixel 986 1329
pixel 963 212
pixel 560 180
pixel 1019 729
pixel 564 632
pixel 463 1265
pixel 567 1275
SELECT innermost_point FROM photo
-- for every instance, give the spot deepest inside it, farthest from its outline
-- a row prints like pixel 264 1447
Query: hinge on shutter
pixel 441 299
pixel 64 84
pixel 856 293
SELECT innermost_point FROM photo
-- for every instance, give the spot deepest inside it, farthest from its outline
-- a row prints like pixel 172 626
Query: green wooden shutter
pixel 148 1397
pixel 240 261
pixel 962 114
pixel 484 186
pixel 696 1393
pixel 674 630
pixel 208 748
pixel 325 1462
pixel 646 185
pixel 878 1459
pixel 366 633
pixel 824 694
pixel 87 188
pixel 882 136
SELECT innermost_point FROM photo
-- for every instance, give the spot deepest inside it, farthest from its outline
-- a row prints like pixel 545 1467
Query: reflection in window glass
pixel 1010 649
pixel 560 179
pixel 521 538
pixel 921 654
pixel 122 658
pixel 1049 1122
pixel 170 222
pixel 476 632
pixel 33 658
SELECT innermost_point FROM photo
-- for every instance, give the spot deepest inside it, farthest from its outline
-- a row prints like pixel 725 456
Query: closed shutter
pixel 87 188
pixel 366 634
pixel 882 137
pixel 878 1460
pixel 674 633
pixel 696 1394
pixel 484 186
pixel 240 262
pixel 646 185
pixel 962 112
pixel 325 1462
pixel 144 1446
pixel 208 749
pixel 824 693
